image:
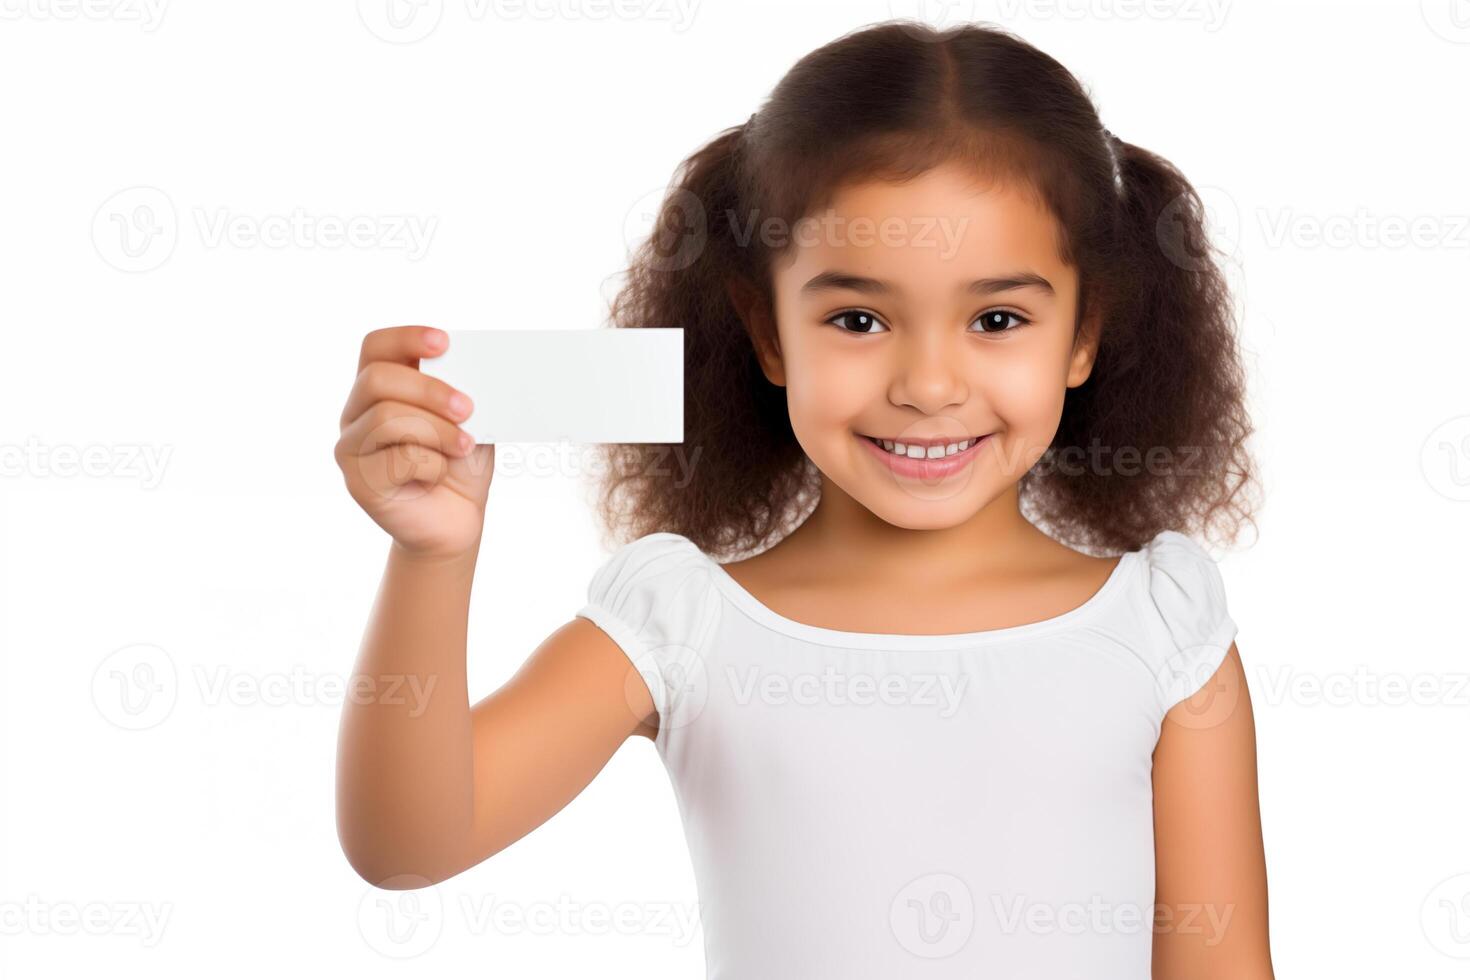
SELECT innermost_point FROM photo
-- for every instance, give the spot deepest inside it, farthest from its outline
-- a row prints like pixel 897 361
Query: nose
pixel 928 374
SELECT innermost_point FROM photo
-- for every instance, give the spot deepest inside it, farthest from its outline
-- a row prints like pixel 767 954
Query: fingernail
pixel 435 337
pixel 459 405
pixel 466 444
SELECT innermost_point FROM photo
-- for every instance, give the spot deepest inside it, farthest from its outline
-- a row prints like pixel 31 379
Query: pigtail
pixel 739 478
pixel 1155 439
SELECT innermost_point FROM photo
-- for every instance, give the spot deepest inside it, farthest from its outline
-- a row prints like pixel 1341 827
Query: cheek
pixel 1026 388
pixel 828 386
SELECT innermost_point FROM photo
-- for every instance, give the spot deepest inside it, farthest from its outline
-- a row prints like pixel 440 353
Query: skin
pixel 428 790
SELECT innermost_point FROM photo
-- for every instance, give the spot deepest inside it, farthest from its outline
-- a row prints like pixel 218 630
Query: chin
pixel 916 507
pixel 922 515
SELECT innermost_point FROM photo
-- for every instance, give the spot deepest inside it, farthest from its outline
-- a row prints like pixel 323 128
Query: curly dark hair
pixel 891 101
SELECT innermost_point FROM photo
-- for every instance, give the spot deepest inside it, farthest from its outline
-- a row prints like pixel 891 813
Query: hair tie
pixel 1112 143
pixel 742 135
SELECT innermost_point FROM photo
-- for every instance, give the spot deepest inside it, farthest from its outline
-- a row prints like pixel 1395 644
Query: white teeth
pixel 923 452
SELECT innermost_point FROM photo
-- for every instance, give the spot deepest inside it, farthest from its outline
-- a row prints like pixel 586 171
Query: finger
pixel 402 345
pixel 387 381
pixel 385 473
pixel 388 423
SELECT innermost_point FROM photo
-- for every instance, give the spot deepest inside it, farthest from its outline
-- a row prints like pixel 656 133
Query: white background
pixel 235 563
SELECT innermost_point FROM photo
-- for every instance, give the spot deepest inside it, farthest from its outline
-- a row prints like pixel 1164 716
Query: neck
pixel 848 535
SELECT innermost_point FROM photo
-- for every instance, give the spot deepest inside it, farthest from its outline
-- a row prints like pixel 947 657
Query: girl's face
pixel 929 314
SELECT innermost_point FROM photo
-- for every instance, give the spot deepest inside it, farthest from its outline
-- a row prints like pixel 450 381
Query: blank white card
pixel 605 385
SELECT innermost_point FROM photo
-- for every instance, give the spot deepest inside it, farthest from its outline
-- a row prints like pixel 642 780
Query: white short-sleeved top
pixel 869 805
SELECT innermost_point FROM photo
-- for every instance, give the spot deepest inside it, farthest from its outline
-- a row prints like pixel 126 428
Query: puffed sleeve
pixel 656 598
pixel 1192 624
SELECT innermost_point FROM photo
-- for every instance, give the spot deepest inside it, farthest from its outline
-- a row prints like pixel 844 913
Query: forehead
pixel 948 224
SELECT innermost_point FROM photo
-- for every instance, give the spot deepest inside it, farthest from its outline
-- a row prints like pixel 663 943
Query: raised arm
pixel 426 784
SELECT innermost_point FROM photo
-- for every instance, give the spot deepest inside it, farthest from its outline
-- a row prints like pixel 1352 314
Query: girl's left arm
pixel 1210 864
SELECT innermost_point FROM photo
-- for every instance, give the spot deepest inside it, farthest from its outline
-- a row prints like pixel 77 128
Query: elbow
pixel 399 852
pixel 396 876
pixel 397 871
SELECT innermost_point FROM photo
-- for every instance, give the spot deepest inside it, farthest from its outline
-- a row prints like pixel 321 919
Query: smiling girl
pixel 942 685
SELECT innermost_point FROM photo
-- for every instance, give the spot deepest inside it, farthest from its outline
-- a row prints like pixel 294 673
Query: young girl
pixel 930 306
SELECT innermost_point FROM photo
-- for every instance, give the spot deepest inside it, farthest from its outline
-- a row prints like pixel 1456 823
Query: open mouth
pixel 923 449
pixel 925 460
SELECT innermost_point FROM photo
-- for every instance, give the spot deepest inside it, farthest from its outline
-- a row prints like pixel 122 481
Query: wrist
pixel 432 560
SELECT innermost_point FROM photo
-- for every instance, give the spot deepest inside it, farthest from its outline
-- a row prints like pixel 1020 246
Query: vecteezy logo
pixel 1450 19
pixel 404 922
pixel 136 229
pixel 1445 916
pixel 1192 678
pixel 674 225
pixel 400 21
pixel 1445 458
pixel 1176 234
pixel 933 915
pixel 136 687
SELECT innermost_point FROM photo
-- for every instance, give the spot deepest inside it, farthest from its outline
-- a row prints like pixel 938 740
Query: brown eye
pixel 860 322
pixel 994 321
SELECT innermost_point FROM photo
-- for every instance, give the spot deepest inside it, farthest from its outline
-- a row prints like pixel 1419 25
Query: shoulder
pixel 655 597
pixel 1187 622
pixel 661 560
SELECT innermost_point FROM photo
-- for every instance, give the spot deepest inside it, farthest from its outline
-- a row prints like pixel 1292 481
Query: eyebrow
pixel 863 284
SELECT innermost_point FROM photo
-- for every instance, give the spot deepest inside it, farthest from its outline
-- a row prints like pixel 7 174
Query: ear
pixel 1084 349
pixel 755 314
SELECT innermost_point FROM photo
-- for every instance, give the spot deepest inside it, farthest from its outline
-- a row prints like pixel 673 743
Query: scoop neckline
pixel 764 614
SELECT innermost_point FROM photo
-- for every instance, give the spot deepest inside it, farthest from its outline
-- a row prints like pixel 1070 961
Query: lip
pixel 924 469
